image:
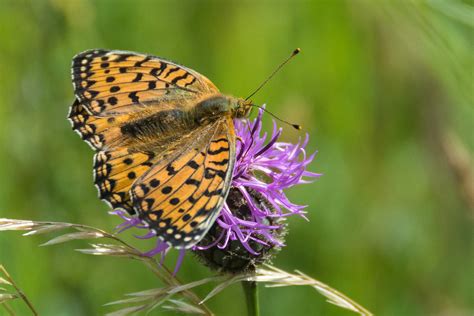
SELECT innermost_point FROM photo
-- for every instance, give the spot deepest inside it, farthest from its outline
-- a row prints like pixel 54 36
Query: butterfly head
pixel 241 108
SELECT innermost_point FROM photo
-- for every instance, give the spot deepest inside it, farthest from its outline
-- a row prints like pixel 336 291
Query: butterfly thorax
pixel 217 106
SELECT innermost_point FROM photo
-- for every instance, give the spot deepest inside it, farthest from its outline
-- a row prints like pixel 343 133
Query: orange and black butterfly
pixel 164 139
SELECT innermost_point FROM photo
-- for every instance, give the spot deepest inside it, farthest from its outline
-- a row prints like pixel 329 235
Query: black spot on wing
pixel 194 182
pixel 218 151
pixel 133 96
pixel 171 71
pixel 210 173
pixel 193 164
pixel 138 77
pixel 175 80
pixel 157 71
pixel 166 190
pixel 223 162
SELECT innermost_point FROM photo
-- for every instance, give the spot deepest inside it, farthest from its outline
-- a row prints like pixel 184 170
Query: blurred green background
pixel 384 88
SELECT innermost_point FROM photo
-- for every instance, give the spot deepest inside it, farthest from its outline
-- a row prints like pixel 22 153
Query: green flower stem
pixel 251 297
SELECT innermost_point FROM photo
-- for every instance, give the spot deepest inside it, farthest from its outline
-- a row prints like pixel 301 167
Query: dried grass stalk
pixel 148 300
pixel 14 293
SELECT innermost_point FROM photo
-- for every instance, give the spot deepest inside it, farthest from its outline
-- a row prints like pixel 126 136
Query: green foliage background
pixel 384 88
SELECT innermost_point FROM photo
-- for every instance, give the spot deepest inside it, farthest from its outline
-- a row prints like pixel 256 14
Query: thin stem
pixel 20 292
pixel 8 309
pixel 168 278
pixel 251 297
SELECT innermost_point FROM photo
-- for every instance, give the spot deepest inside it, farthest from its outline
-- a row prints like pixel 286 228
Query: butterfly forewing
pixel 111 82
pixel 99 132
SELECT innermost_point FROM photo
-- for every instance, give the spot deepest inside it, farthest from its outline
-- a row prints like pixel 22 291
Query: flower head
pixel 250 225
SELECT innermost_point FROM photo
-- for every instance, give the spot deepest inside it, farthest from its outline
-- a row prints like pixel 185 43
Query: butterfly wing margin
pixel 113 82
pixel 181 200
pixel 100 133
pixel 115 171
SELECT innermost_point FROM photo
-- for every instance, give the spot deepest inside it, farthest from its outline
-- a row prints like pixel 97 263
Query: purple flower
pixel 251 221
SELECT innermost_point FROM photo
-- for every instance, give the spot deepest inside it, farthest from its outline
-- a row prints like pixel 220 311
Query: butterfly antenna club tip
pixel 295 52
pixel 295 126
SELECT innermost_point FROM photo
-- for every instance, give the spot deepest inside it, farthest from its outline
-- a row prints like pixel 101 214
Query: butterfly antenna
pixel 293 54
pixel 295 126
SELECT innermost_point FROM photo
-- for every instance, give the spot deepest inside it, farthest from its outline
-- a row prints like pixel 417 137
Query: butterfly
pixel 163 137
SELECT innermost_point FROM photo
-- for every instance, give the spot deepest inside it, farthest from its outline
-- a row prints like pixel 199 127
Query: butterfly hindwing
pixel 115 172
pixel 181 199
pixel 111 82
